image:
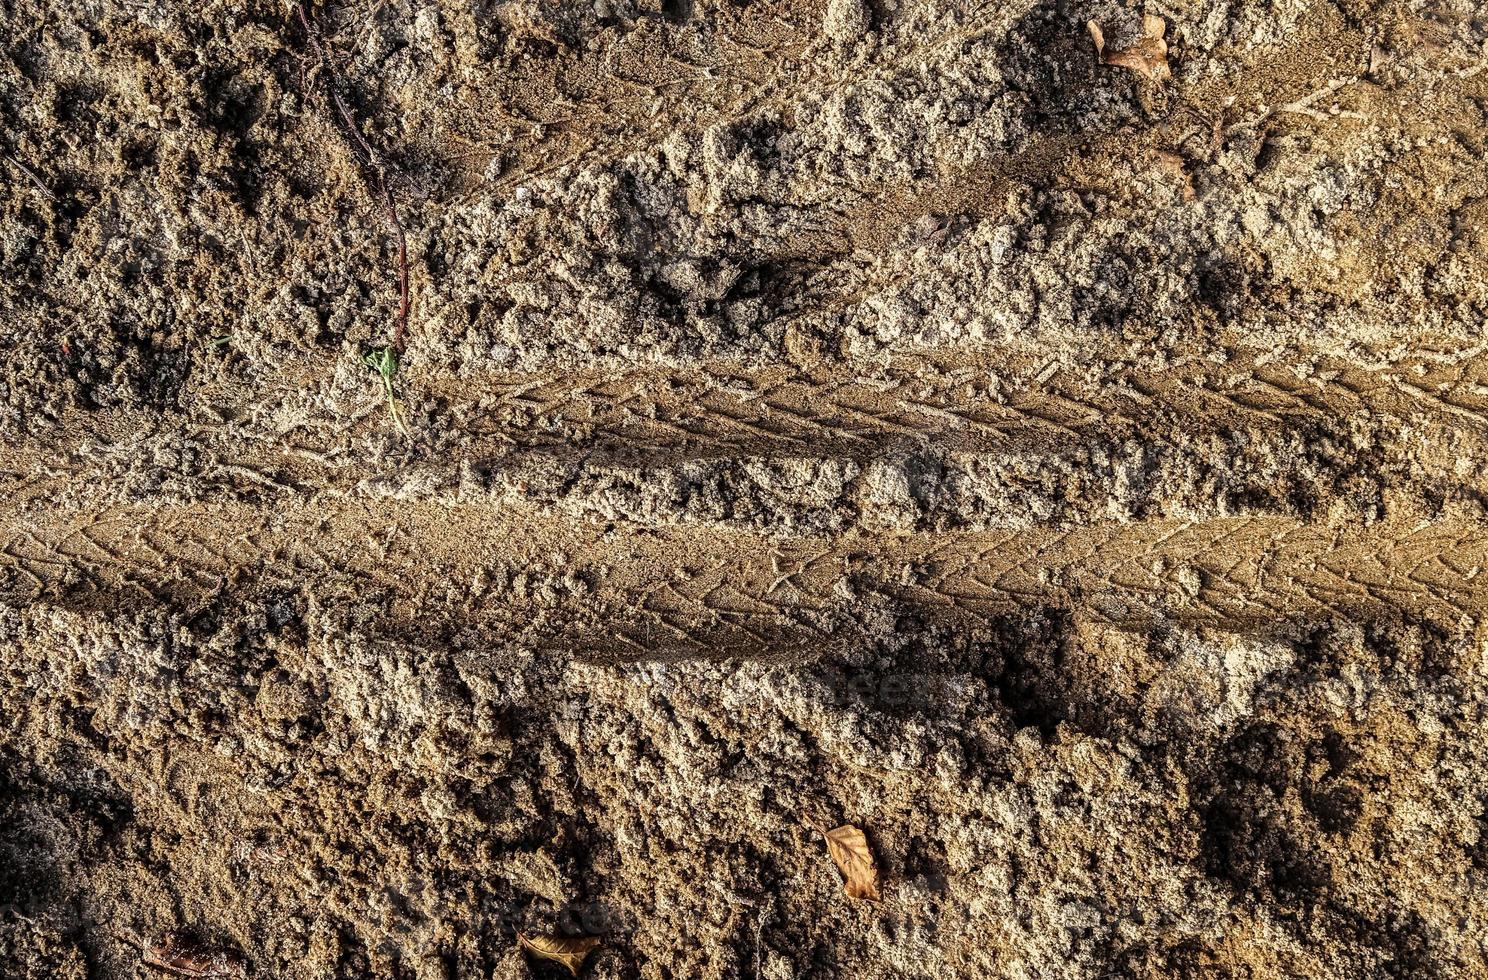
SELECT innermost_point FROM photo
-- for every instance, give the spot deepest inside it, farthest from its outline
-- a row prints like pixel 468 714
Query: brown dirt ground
pixel 870 411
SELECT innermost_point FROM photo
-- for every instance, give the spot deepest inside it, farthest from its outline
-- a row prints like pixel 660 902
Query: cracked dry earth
pixel 853 412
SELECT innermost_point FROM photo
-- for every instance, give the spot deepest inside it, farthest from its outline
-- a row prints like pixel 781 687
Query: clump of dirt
pixel 1058 452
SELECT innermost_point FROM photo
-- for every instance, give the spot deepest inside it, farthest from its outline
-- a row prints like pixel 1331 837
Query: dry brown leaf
pixel 1147 55
pixel 180 957
pixel 849 850
pixel 567 950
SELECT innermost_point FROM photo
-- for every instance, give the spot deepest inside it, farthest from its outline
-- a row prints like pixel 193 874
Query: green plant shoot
pixel 384 362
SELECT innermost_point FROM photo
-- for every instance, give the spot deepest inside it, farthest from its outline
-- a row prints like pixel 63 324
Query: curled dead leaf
pixel 180 957
pixel 1147 55
pixel 570 951
pixel 850 852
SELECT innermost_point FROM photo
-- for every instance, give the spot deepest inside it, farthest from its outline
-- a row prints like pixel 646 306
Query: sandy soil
pixel 877 412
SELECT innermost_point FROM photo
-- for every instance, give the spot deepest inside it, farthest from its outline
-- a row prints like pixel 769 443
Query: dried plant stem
pixel 400 325
pixel 369 159
pixel 31 175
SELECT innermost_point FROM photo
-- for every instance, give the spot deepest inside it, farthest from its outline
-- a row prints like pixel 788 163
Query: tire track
pixel 662 416
pixel 970 406
pixel 416 572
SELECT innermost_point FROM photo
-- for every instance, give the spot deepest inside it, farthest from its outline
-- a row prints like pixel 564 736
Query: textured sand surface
pixel 880 413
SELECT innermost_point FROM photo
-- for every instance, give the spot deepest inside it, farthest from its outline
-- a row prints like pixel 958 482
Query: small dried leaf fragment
pixel 1174 166
pixel 570 951
pixel 1147 55
pixel 180 957
pixel 849 850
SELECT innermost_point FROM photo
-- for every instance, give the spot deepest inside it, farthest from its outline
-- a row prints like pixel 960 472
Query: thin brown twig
pixel 369 158
pixel 400 326
pixel 34 179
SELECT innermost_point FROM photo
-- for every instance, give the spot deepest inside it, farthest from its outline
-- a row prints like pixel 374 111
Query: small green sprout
pixel 384 361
